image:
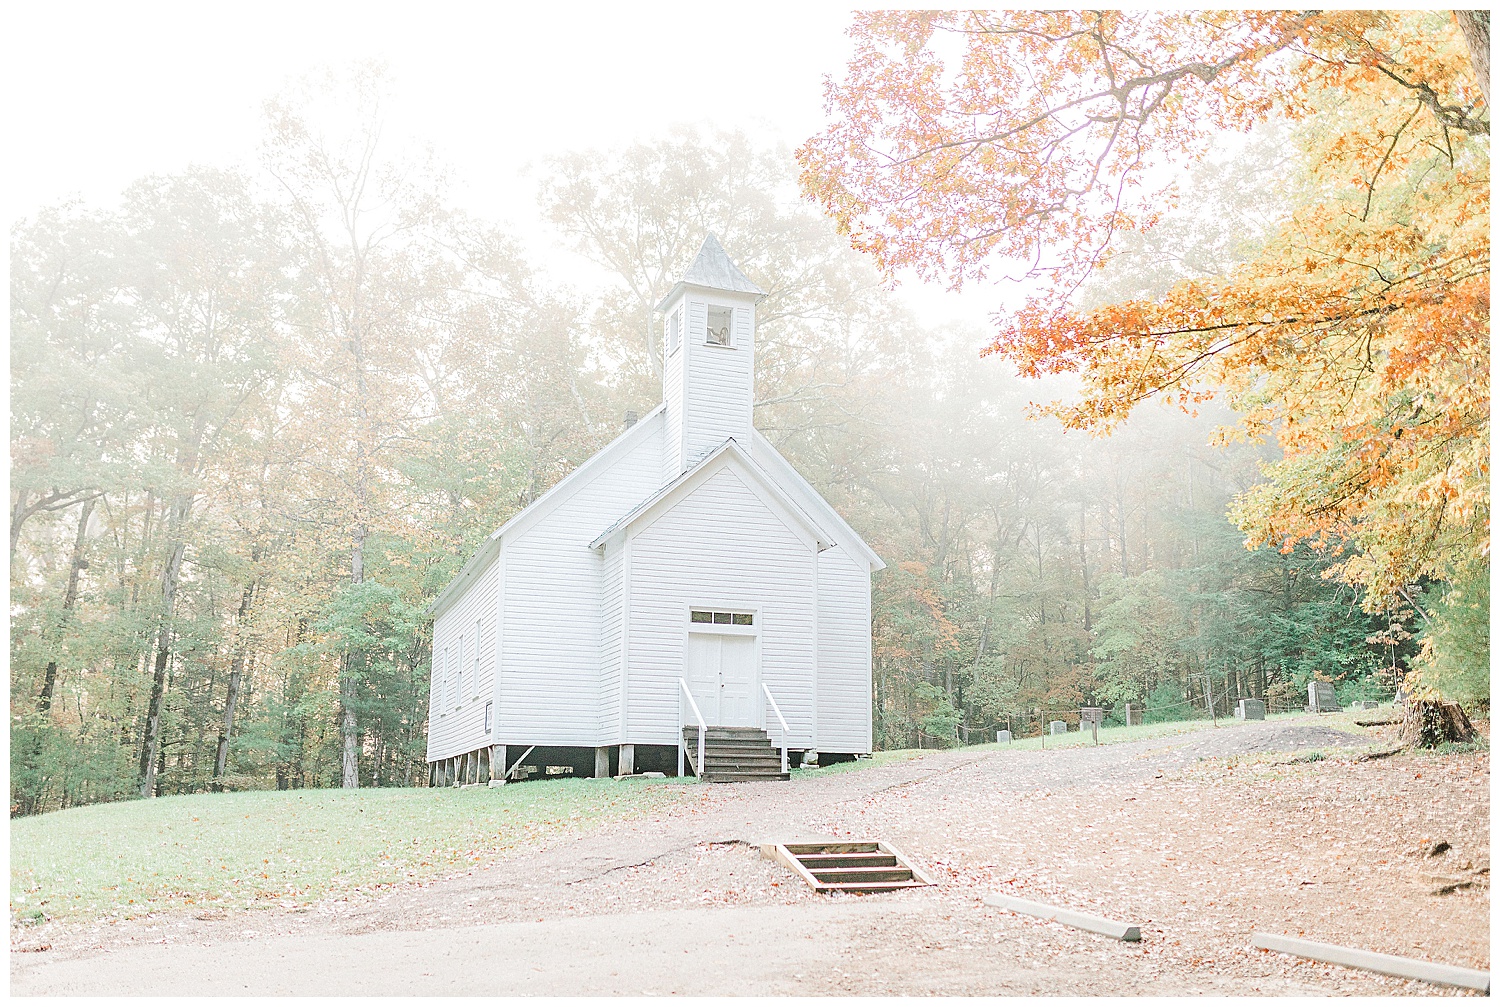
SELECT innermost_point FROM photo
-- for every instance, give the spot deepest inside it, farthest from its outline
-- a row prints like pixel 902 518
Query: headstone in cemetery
pixel 1368 704
pixel 1250 709
pixel 1002 736
pixel 1059 727
pixel 1320 698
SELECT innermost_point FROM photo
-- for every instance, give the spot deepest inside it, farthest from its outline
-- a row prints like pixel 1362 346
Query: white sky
pixel 99 95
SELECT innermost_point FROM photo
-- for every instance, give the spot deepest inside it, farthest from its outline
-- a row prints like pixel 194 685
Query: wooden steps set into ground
pixel 734 755
pixel 848 867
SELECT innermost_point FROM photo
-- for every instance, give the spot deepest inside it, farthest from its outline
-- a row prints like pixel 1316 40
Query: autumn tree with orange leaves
pixel 971 146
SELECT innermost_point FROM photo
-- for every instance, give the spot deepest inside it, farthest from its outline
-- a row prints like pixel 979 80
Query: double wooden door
pixel 723 670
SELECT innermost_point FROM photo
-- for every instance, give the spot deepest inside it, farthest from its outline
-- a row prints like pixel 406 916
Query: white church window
pixel 458 678
pixel 474 685
pixel 445 684
pixel 722 618
pixel 720 323
pixel 674 331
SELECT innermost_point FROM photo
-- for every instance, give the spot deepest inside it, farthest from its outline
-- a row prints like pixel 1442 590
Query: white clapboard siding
pixel 844 682
pixel 720 545
pixel 456 729
pixel 801 491
pixel 672 399
pixel 550 667
pixel 720 386
pixel 610 652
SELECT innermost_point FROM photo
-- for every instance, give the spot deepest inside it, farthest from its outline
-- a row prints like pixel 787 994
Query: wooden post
pixel 601 762
pixel 627 760
pixel 1209 692
pixel 500 759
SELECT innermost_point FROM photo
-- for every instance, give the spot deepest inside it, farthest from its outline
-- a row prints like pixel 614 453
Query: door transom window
pixel 703 616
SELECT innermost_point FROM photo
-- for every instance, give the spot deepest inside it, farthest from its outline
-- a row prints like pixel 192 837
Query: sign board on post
pixel 1320 698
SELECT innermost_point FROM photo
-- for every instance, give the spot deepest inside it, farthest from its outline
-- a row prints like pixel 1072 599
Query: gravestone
pixel 1366 704
pixel 1059 727
pixel 1002 736
pixel 1320 698
pixel 1250 709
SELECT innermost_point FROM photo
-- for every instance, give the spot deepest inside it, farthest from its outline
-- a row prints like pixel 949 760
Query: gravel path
pixel 1199 839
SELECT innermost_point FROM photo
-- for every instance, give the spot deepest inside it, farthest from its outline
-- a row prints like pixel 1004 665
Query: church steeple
pixel 708 373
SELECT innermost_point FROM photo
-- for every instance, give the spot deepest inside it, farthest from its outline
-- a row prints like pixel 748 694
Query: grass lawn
pixel 1139 732
pixel 1110 735
pixel 877 759
pixel 289 847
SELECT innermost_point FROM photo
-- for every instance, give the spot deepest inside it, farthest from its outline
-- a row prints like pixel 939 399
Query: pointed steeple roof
pixel 713 269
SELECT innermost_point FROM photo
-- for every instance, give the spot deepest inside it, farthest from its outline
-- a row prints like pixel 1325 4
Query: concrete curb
pixel 1372 961
pixel 1083 921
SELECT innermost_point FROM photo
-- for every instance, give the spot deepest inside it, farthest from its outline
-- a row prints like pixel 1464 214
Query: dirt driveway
pixel 1200 839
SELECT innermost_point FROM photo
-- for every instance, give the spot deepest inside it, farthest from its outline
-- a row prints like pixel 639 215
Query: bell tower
pixel 708 358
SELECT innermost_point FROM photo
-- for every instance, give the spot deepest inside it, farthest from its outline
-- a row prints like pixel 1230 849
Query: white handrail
pixel 702 729
pixel 784 729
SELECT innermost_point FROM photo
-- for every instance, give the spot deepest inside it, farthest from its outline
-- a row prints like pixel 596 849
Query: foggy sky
pixel 102 95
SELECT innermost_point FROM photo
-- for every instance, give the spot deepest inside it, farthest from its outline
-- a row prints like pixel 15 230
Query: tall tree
pixel 204 283
pixel 360 222
pixel 1357 334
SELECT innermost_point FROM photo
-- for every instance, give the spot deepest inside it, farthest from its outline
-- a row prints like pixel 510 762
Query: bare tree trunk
pixel 151 743
pixel 236 670
pixel 348 687
pixel 1083 565
pixel 1120 514
pixel 70 598
pixel 1475 26
pixel 1430 723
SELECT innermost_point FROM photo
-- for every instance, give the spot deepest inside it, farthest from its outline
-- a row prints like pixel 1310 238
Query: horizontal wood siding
pixel 672 390
pixel 550 671
pixel 844 682
pixel 720 545
pixel 720 386
pixel 456 729
pixel 612 605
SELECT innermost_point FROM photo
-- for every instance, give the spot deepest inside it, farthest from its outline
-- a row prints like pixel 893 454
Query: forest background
pixel 261 414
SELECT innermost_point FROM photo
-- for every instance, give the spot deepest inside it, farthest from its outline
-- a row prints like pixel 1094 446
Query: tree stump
pixel 1430 722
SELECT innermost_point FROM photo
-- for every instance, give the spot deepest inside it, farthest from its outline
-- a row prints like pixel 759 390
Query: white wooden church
pixel 684 577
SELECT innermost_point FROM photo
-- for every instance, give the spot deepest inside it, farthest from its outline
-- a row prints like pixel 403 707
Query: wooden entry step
pixel 848 866
pixel 733 755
